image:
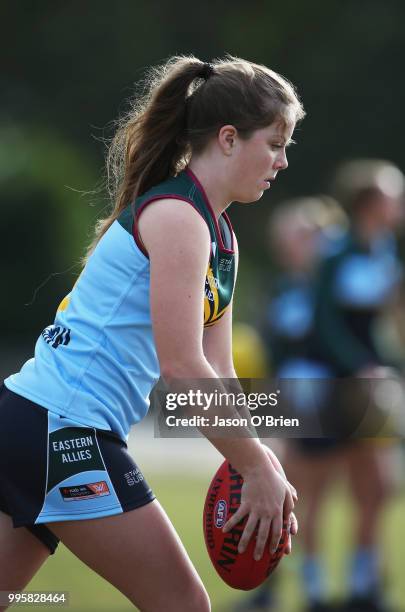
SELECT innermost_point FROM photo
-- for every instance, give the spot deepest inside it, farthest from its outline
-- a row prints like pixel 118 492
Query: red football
pixel 239 571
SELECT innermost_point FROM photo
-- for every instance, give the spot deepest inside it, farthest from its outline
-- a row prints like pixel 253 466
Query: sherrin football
pixel 238 570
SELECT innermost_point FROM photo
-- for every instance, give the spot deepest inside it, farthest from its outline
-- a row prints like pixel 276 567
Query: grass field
pixel 88 592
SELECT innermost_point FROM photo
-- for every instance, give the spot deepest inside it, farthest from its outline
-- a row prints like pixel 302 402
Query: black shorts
pixel 55 469
pixel 320 447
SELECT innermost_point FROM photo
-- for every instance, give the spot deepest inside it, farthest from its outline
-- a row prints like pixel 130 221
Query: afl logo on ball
pixel 220 513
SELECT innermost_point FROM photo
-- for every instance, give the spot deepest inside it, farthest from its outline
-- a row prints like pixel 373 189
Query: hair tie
pixel 206 71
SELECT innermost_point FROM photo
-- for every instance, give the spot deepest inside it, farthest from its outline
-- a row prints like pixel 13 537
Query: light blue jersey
pixel 97 363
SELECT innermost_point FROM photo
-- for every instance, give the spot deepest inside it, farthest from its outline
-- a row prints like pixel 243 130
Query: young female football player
pixel 154 298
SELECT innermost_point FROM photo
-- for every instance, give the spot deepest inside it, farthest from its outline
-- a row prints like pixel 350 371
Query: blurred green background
pixel 67 70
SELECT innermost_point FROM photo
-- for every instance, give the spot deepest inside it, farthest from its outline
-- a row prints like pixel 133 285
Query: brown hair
pixel 183 106
pixel 357 181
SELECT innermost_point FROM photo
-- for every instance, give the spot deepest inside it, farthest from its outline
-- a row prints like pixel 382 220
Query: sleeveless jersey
pixel 97 363
pixel 355 286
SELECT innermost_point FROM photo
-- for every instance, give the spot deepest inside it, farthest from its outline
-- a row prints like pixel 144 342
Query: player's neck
pixel 212 180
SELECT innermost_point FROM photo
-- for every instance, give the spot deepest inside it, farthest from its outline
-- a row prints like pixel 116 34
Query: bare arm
pixel 178 244
pixel 217 344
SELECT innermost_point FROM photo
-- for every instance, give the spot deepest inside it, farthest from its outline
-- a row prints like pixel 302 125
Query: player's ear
pixel 227 136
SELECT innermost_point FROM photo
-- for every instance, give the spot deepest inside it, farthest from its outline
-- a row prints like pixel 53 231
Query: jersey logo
pixel 225 264
pixel 56 335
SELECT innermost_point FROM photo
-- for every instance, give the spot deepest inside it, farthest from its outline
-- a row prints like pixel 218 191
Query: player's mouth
pixel 267 181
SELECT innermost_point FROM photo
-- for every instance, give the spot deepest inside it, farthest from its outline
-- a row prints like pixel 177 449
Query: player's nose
pixel 282 162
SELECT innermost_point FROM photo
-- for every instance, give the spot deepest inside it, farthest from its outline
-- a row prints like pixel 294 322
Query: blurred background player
pixel 302 231
pixel 356 287
pixel 299 231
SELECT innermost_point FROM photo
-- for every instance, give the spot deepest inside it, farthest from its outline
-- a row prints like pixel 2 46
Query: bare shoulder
pixel 170 211
pixel 169 218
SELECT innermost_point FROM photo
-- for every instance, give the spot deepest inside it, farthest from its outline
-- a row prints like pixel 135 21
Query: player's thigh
pixel 311 473
pixel 21 555
pixel 140 553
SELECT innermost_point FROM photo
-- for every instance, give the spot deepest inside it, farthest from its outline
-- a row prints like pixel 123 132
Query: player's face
pixel 386 210
pixel 259 159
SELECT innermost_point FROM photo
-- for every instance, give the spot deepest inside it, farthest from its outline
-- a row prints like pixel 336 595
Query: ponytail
pixel 149 144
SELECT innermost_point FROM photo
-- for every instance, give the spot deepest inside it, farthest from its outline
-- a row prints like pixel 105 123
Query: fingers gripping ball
pixel 238 570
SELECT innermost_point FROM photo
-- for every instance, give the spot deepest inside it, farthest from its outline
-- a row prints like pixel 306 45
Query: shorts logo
pixel 220 513
pixel 56 335
pixel 133 477
pixel 86 491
